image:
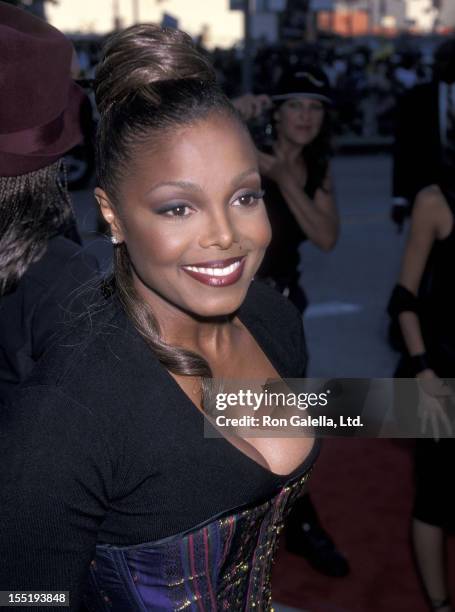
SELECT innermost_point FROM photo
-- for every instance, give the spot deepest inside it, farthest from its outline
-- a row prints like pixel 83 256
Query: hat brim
pixel 71 134
pixel 312 96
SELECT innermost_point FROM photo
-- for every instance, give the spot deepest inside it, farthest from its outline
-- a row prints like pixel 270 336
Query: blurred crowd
pixel 372 72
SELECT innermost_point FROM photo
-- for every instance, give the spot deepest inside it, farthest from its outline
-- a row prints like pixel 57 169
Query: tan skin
pixel 431 220
pixel 298 123
pixel 191 197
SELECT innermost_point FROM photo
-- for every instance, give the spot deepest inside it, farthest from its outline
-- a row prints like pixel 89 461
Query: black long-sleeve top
pixel 102 445
pixel 32 313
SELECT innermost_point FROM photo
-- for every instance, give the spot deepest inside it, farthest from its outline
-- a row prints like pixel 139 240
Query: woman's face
pixel 299 120
pixel 192 217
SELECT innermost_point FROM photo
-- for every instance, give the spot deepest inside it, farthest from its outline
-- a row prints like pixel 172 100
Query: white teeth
pixel 215 271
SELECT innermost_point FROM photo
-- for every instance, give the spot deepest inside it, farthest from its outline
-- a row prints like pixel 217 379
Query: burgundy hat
pixel 39 102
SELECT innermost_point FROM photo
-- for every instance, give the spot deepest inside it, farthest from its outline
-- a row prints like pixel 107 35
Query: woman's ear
pixel 110 215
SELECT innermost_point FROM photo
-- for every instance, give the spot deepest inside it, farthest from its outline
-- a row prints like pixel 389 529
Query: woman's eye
pixel 179 210
pixel 249 199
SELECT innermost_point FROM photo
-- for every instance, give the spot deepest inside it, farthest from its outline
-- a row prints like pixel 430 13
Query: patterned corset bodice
pixel 224 564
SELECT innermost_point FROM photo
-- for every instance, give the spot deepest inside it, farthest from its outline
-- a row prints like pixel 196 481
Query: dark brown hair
pixel 34 207
pixel 150 80
pixel 317 153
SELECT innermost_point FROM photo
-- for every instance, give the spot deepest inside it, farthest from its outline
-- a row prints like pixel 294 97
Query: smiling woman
pixel 174 224
pixel 111 488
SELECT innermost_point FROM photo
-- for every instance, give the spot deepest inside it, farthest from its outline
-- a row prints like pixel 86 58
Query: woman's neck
pixel 287 149
pixel 177 327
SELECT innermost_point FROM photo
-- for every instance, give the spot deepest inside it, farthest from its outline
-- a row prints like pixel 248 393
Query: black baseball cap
pixel 304 82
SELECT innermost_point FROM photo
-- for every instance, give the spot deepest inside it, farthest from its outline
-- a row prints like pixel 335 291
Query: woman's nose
pixel 218 231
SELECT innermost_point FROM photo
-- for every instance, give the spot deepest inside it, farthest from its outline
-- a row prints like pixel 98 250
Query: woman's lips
pixel 217 273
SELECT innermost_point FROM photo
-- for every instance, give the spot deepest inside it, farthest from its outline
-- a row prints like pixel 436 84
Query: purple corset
pixel 225 564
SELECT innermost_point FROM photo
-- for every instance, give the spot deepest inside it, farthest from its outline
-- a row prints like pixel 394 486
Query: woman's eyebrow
pixel 243 175
pixel 188 185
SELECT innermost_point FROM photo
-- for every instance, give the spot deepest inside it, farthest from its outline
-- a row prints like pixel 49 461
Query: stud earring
pixel 114 240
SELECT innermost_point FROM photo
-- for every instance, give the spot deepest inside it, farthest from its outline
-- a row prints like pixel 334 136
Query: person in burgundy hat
pixel 40 269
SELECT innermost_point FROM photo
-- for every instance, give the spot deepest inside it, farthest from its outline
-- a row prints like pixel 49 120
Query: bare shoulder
pixel 430 201
pixel 431 212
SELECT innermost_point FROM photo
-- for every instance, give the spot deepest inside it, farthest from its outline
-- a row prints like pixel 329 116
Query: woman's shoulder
pixel 273 318
pixel 430 199
pixel 432 212
pixel 63 257
pixel 95 349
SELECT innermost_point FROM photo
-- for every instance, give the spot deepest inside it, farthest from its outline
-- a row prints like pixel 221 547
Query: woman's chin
pixel 303 140
pixel 218 306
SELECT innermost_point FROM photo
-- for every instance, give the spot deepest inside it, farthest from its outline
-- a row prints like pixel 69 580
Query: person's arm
pixel 318 217
pixel 49 296
pixel 74 287
pixel 55 482
pixel 427 224
pixel 430 221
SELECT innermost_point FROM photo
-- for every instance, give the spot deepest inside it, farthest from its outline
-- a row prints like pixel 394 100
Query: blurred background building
pixel 357 17
pixel 221 26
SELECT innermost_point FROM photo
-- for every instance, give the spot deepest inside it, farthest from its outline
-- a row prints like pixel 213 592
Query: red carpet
pixel 363 491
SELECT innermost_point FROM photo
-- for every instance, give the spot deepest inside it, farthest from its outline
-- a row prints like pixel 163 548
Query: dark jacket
pixel 33 313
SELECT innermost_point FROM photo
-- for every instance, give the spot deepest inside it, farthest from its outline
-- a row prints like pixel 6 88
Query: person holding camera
pixel 301 206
